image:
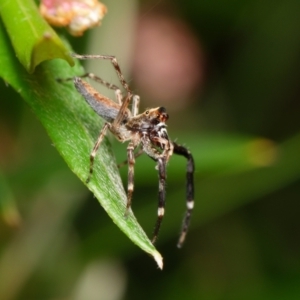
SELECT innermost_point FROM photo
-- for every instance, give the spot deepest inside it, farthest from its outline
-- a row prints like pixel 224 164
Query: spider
pixel 146 131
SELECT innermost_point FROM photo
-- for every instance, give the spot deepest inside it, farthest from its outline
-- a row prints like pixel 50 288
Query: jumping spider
pixel 146 130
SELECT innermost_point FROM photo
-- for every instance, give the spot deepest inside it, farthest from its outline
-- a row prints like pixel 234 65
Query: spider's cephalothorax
pixel 152 134
pixel 146 130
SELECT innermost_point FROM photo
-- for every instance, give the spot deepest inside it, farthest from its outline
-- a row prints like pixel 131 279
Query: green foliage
pixel 73 128
pixel 34 41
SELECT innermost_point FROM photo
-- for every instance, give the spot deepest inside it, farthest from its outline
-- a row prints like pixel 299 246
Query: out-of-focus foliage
pixel 34 41
pixel 243 129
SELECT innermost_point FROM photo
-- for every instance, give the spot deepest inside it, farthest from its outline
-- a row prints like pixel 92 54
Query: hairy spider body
pixel 147 130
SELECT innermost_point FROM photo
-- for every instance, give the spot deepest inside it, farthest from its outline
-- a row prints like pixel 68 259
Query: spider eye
pixel 147 112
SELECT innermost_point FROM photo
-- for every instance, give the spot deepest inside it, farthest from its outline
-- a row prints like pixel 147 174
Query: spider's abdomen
pixel 103 106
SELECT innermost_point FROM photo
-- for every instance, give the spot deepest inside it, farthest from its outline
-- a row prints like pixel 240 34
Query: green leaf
pixel 34 41
pixel 73 127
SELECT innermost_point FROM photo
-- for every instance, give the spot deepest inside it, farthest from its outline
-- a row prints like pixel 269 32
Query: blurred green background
pixel 228 74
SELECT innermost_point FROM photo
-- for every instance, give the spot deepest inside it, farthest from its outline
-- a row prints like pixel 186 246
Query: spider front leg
pixel 95 149
pixel 110 86
pixel 180 150
pixel 114 62
pixel 161 164
pixel 98 79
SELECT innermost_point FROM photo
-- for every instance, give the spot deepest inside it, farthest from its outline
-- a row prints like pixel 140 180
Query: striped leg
pixel 161 163
pixel 95 149
pixel 180 150
pixel 135 98
pixel 114 63
pixel 100 80
pixel 130 187
pixel 94 77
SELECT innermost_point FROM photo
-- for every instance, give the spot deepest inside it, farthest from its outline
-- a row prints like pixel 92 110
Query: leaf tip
pixel 159 259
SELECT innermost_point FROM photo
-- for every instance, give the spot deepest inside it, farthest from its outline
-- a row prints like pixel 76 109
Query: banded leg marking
pixel 130 187
pixel 161 163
